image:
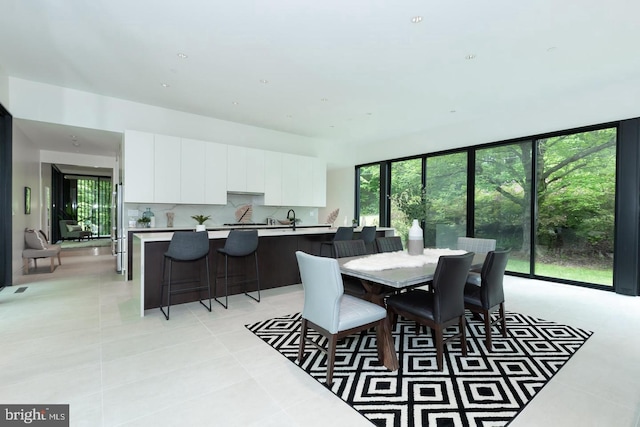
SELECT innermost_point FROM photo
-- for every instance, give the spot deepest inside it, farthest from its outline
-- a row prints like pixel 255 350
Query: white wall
pixel 26 173
pixel 4 89
pixel 605 104
pixel 54 104
pixel 340 194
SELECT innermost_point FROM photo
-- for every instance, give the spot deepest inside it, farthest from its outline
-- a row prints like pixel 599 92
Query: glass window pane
pixel 406 191
pixel 446 196
pixel 502 194
pixel 576 207
pixel 369 194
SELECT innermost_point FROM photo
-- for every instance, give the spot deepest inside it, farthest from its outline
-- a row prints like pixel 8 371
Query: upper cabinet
pixel 215 191
pixel 138 170
pixel 304 181
pixel 273 178
pixel 166 169
pixel 245 169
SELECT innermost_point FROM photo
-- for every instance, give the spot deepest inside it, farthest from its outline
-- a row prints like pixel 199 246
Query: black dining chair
pixel 348 248
pixel 484 294
pixel 342 233
pixel 441 308
pixel 185 246
pixel 389 244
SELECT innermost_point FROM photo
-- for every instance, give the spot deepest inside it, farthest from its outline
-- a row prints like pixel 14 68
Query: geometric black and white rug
pixel 485 388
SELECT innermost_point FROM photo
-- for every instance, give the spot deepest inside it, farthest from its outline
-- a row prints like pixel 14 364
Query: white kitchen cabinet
pixel 255 170
pixel 138 168
pixel 245 169
pixel 290 190
pixel 166 158
pixel 305 181
pixel 319 178
pixel 215 174
pixel 192 171
pixel 236 168
pixel 273 178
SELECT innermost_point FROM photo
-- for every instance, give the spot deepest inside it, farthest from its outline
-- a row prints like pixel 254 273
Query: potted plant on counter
pixel 144 221
pixel 201 219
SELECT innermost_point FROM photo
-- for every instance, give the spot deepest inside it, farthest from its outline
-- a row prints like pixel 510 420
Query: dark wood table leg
pixel 386 349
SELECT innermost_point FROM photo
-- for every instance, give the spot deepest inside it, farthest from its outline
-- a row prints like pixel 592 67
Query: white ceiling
pixel 349 71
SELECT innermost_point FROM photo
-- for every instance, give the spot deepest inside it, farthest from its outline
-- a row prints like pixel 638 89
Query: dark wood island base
pixel 276 260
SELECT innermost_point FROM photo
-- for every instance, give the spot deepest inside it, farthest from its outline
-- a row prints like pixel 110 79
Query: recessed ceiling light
pixel 470 56
pixel 265 81
pixel 235 102
pixel 416 19
pixel 164 84
pixel 182 55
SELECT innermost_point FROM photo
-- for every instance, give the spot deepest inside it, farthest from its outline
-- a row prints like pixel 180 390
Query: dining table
pixel 385 273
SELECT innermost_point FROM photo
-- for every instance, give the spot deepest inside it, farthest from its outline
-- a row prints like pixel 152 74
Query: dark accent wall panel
pixel 6 123
pixel 627 233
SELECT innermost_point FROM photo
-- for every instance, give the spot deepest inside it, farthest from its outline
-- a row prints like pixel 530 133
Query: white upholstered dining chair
pixel 328 310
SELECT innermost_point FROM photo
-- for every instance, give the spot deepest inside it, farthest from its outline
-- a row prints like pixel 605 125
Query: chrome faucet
pixel 293 220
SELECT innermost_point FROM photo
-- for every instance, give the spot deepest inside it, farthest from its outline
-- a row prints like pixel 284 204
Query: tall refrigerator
pixel 118 232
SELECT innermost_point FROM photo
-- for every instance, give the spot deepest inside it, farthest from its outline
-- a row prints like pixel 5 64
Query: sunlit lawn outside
pixel 599 276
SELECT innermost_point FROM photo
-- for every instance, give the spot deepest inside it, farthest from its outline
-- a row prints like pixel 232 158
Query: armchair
pixel 70 229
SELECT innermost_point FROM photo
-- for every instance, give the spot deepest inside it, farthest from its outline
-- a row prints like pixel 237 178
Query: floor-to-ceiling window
pixel 407 195
pixel 502 206
pixel 88 200
pixel 576 177
pixel 369 195
pixel 550 199
pixel 446 200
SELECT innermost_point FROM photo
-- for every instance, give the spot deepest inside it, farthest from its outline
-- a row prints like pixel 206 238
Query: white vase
pixel 201 227
pixel 415 246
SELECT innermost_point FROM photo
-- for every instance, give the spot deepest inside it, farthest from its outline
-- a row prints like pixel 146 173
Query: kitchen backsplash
pixel 219 214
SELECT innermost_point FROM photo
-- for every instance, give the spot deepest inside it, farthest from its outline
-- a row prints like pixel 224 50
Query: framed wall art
pixel 27 200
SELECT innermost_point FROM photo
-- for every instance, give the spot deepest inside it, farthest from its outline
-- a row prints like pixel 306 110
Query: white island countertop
pixel 165 235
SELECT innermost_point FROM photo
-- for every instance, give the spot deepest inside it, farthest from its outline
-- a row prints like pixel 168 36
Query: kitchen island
pixel 276 258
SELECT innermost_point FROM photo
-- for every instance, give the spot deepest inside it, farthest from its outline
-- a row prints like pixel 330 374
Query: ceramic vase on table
pixel 415 245
pixel 201 227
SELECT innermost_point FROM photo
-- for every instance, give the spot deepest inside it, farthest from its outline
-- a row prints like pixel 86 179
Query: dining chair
pixel 440 308
pixel 368 236
pixel 477 245
pixel 240 244
pixel 348 248
pixel 483 293
pixel 330 312
pixel 185 246
pixel 389 244
pixel 342 233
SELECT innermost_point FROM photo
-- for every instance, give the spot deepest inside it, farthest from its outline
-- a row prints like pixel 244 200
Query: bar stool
pixel 185 246
pixel 342 233
pixel 239 244
pixel 368 236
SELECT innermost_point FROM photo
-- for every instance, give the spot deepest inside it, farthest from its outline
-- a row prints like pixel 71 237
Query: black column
pixel 6 123
pixel 626 265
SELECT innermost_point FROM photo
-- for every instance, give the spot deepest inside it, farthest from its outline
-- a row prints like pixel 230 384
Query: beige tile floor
pixel 73 337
